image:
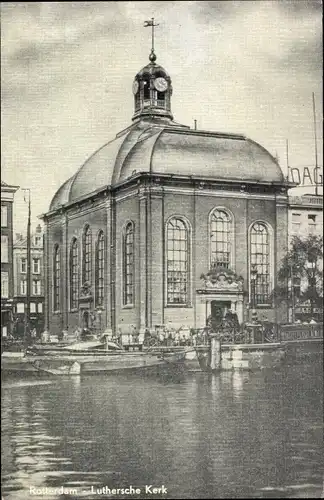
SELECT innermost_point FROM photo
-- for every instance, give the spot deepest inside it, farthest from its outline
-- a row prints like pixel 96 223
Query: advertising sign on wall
pixel 306 176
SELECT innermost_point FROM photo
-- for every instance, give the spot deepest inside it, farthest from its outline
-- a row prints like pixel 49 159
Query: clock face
pixel 161 84
pixel 135 87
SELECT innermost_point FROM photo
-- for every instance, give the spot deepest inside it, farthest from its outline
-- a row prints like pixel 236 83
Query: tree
pixel 302 269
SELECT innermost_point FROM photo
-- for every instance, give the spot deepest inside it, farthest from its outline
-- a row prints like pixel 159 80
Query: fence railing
pixel 301 332
pixel 249 334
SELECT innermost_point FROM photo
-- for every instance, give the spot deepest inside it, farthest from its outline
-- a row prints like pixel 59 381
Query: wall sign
pixel 306 176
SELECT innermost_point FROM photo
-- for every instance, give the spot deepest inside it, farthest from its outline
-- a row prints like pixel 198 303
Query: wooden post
pixel 215 353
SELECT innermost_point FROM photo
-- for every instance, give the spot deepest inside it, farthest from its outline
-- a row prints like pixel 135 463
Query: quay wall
pixel 245 356
pixel 252 356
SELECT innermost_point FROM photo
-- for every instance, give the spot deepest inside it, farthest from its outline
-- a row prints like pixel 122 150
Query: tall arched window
pixel 260 261
pixel 100 265
pixel 74 274
pixel 177 268
pixel 57 278
pixel 128 265
pixel 220 238
pixel 86 255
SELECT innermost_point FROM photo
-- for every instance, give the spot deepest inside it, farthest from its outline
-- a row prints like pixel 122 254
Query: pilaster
pixel 156 258
pixel 112 261
pixel 143 251
pixel 65 273
pixel 109 285
pixel 46 277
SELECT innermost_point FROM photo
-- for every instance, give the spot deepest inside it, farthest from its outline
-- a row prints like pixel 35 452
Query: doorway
pixel 219 309
pixel 85 320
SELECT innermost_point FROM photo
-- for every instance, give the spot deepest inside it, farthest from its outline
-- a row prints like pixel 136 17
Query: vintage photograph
pixel 162 250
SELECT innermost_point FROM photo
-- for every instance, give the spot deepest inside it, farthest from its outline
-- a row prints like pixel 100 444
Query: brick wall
pixel 149 211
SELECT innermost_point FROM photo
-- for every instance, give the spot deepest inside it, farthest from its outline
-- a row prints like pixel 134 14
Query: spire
pixel 152 56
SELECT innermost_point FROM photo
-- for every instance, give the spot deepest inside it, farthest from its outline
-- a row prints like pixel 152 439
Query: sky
pixel 236 66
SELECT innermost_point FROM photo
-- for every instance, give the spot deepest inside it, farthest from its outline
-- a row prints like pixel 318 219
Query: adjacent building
pixel 165 225
pixel 7 283
pixel 305 215
pixel 36 299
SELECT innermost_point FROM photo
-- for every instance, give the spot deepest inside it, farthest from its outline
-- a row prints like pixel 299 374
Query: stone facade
pixel 7 275
pixel 305 215
pixel 36 280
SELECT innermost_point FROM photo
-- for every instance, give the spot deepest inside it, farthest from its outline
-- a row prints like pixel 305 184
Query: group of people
pixel 166 338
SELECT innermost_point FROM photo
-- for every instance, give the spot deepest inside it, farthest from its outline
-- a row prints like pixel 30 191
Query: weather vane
pixel 146 24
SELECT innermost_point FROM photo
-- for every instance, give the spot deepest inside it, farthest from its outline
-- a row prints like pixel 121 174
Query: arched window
pixel 177 269
pixel 137 99
pixel 56 278
pixel 86 255
pixel 146 86
pixel 220 239
pixel 128 265
pixel 100 265
pixel 74 274
pixel 260 262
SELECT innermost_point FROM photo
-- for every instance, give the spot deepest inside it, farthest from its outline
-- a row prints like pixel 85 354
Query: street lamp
pixel 253 325
pixel 27 306
pixel 253 278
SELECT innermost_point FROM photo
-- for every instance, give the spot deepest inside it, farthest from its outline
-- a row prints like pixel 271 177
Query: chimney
pixel 38 228
pixel 18 236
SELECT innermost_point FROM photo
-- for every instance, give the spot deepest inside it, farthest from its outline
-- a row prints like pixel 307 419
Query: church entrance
pixel 219 309
pixel 85 320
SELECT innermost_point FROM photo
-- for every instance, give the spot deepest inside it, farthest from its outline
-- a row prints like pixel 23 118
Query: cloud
pixel 304 56
pixel 67 70
pixel 300 7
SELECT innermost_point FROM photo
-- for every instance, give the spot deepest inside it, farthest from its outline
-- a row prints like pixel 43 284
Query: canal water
pixel 231 435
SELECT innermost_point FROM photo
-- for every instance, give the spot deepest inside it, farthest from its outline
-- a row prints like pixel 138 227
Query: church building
pixel 165 225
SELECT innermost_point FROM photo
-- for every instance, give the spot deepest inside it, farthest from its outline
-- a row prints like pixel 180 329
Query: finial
pixel 152 56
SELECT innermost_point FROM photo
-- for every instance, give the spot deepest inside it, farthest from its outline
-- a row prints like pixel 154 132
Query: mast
pixel 315 140
pixel 287 158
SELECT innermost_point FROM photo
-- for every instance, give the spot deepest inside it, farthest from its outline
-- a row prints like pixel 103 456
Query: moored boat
pixel 78 348
pixel 191 362
pixel 71 364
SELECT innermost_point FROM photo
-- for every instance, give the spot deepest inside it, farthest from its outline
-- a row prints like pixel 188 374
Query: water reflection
pixel 233 434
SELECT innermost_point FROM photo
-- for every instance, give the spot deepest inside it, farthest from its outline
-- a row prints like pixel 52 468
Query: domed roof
pixel 162 147
pixel 200 154
pixel 152 69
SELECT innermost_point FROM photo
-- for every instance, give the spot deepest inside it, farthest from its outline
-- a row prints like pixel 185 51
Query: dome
pixel 152 69
pixel 167 148
pixel 206 155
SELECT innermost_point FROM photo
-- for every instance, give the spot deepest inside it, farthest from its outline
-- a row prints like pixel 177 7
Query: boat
pixel 79 364
pixel 77 348
pixel 191 361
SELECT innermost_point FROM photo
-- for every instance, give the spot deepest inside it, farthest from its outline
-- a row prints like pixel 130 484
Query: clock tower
pixel 152 91
pixel 152 88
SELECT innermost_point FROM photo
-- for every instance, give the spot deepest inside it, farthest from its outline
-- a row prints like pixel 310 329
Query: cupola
pixel 152 87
